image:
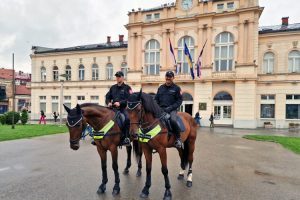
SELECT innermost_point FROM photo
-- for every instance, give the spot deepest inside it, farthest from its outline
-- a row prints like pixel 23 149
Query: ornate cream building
pixel 250 74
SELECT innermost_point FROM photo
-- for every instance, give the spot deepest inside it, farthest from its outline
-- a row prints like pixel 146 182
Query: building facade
pixel 249 75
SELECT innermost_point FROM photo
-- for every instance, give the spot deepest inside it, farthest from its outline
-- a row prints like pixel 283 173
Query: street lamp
pixel 61 97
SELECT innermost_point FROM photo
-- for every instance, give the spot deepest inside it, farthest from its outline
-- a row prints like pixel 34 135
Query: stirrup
pixel 178 144
pixel 126 142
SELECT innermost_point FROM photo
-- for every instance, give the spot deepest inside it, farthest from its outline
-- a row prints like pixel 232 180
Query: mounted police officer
pixel 169 98
pixel 117 98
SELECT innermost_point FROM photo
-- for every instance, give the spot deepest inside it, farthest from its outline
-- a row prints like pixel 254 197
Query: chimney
pixel 108 39
pixel 121 38
pixel 285 21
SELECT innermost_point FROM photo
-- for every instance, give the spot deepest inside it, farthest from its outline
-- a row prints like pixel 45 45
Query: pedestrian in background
pixel 55 116
pixel 43 117
pixel 197 119
pixel 211 119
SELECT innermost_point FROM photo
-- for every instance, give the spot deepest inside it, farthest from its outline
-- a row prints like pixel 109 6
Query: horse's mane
pixel 150 105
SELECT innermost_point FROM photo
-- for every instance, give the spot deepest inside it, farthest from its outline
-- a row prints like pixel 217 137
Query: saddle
pixel 179 121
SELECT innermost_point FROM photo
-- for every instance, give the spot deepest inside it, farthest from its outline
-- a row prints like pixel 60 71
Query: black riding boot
pixel 125 138
pixel 176 130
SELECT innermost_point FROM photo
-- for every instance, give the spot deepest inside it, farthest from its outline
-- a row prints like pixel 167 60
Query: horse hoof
pixel 101 190
pixel 126 172
pixel 116 192
pixel 144 195
pixel 180 177
pixel 168 195
pixel 189 184
pixel 138 173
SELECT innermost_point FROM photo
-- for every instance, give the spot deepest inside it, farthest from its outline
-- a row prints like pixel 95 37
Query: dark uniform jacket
pixel 169 97
pixel 118 94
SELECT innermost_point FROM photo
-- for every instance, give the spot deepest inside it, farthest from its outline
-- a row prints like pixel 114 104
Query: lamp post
pixel 61 97
pixel 13 92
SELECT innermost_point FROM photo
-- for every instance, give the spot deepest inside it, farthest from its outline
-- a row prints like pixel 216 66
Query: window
pixel 293 106
pixel 224 52
pixel 156 16
pixel 43 103
pixel 152 57
pixel 223 96
pixel 109 71
pixel 294 61
pixel 67 102
pixel 2 92
pixel 80 99
pixel 124 69
pixel 68 73
pixel 81 72
pixel 220 6
pixel 182 58
pixel 43 74
pixel 95 72
pixel 267 97
pixel 230 5
pixel 54 103
pixel 95 99
pixel 293 111
pixel 55 73
pixel 268 65
pixel 148 17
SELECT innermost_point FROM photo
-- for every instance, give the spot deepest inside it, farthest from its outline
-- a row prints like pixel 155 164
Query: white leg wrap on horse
pixel 190 177
pixel 181 172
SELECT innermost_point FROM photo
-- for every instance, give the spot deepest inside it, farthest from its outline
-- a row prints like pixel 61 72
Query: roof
pixel 22 90
pixel 279 28
pixel 111 45
pixel 6 73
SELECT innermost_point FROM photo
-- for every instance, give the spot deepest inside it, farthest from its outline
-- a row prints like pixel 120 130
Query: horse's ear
pixel 140 94
pixel 67 109
pixel 78 109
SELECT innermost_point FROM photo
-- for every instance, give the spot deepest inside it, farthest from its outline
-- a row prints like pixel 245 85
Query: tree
pixel 24 117
pixel 9 116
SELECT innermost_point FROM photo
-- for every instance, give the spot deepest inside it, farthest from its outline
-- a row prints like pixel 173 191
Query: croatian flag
pixel 189 58
pixel 198 64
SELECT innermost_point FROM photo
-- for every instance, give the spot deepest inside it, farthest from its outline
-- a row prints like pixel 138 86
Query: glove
pixel 168 109
pixel 166 116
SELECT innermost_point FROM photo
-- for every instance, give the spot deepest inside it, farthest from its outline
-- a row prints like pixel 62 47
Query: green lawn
pixel 28 131
pixel 291 143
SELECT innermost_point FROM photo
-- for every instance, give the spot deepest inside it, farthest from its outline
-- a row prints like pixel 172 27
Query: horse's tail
pixel 136 150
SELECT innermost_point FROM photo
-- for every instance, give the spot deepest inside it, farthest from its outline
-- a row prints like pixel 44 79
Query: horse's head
pixel 76 125
pixel 134 108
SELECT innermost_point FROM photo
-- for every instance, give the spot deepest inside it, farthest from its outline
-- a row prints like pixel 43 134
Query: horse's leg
pixel 182 166
pixel 164 169
pixel 128 165
pixel 191 144
pixel 102 187
pixel 148 156
pixel 114 156
pixel 139 171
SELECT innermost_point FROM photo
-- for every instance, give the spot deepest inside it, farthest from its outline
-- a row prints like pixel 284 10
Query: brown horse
pixel 146 116
pixel 97 117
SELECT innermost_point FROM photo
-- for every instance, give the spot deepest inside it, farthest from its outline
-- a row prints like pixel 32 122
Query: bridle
pixel 74 124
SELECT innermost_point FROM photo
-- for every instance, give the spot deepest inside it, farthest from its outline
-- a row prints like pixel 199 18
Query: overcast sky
pixel 57 23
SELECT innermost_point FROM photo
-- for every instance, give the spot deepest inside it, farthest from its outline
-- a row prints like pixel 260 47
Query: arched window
pixel 55 73
pixel 222 96
pixel 95 72
pixel 68 73
pixel 124 69
pixel 187 97
pixel 43 74
pixel 152 57
pixel 294 61
pixel 182 59
pixel 224 50
pixel 81 72
pixel 268 65
pixel 109 71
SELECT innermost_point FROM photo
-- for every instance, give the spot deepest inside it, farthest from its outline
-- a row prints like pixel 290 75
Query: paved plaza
pixel 226 167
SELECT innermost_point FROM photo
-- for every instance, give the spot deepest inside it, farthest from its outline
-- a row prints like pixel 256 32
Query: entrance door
pixel 223 108
pixel 186 107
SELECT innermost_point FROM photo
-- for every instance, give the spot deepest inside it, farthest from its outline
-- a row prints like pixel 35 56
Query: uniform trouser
pixel 126 123
pixel 174 124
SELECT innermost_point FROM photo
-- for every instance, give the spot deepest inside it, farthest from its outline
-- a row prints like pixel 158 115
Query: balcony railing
pixel 223 75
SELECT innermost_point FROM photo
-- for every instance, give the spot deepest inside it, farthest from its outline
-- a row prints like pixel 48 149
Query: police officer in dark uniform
pixel 117 97
pixel 169 98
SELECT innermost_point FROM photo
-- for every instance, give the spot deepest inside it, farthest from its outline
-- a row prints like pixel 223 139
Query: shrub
pixel 9 116
pixel 3 119
pixel 24 117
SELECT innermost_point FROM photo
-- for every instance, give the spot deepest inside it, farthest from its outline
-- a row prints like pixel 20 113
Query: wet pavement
pixel 226 167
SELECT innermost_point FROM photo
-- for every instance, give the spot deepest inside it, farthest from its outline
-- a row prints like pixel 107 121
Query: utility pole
pixel 13 91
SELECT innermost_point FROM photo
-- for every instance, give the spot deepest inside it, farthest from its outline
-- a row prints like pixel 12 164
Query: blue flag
pixel 189 58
